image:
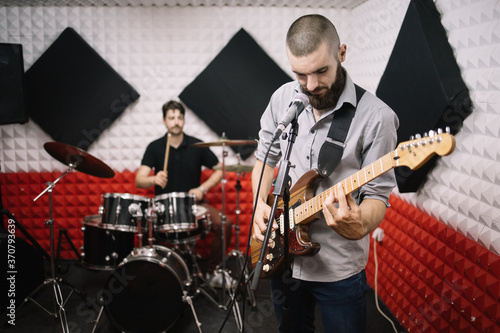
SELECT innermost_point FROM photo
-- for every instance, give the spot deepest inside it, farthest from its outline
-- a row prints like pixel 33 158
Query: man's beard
pixel 330 98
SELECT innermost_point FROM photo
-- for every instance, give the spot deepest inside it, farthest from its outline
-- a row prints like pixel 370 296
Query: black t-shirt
pixel 184 163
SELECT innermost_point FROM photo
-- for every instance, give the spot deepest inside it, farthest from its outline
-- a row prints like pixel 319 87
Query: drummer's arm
pixel 204 187
pixel 143 178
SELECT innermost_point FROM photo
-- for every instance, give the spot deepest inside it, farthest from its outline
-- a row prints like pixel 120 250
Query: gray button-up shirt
pixel 372 134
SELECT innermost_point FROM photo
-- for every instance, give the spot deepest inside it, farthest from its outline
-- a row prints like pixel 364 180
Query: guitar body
pixel 305 207
pixel 299 242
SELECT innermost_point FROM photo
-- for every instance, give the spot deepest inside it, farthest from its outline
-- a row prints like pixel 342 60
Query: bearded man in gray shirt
pixel 334 278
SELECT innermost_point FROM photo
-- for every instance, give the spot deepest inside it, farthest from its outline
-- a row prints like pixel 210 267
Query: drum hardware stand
pixel 55 281
pixel 64 232
pixel 151 221
pixel 223 270
pixel 135 210
pixel 196 274
pixel 237 253
pixel 189 299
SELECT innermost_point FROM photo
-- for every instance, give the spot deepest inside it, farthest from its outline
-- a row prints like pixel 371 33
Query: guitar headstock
pixel 419 150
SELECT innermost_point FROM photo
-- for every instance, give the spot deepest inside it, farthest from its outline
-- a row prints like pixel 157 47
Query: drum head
pixel 143 296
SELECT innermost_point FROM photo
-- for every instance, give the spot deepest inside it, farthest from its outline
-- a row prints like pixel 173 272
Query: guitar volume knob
pixel 269 256
pixel 265 268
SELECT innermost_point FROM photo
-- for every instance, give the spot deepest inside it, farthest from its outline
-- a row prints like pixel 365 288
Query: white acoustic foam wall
pixel 158 50
pixel 463 190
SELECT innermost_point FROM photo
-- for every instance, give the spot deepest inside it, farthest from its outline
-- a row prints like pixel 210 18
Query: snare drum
pixel 104 249
pixel 118 211
pixel 203 226
pixel 145 292
pixel 176 212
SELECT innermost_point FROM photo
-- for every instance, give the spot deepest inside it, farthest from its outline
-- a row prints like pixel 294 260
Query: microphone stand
pixel 281 189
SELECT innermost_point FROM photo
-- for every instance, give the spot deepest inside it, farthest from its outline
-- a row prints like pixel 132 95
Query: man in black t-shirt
pixel 183 173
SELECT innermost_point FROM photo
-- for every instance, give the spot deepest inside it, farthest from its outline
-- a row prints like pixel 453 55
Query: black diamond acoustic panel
pixel 232 92
pixel 73 93
pixel 423 84
pixel 12 102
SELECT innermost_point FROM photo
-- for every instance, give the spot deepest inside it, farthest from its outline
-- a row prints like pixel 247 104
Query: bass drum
pixel 145 292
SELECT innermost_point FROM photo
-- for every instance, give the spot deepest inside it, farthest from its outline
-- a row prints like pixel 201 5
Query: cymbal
pixel 225 142
pixel 80 159
pixel 235 168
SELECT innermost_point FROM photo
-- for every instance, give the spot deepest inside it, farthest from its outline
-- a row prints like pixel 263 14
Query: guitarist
pixel 334 278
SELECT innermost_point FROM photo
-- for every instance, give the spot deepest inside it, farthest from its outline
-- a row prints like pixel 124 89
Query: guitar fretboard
pixel 350 184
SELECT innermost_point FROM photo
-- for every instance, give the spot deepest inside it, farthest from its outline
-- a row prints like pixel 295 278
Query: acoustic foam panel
pixel 12 105
pixel 73 93
pixel 423 84
pixel 231 93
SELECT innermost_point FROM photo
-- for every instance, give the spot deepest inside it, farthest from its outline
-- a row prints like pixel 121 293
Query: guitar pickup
pixel 282 221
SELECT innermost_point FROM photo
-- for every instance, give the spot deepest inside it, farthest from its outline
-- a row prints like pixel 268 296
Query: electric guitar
pixel 305 208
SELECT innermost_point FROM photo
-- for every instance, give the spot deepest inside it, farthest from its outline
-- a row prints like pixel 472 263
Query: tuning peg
pixel 440 131
pixel 447 129
pixel 412 137
pixel 432 133
pixel 418 136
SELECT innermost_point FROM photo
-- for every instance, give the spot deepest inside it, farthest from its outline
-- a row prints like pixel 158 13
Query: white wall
pixel 159 50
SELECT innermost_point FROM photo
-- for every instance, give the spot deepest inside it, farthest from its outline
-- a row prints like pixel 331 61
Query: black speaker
pixel 22 270
pixel 422 83
pixel 12 100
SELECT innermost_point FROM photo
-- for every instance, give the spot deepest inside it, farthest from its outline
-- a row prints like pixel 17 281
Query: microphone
pixel 298 105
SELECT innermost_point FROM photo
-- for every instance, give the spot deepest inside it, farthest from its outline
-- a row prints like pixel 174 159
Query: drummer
pixel 184 175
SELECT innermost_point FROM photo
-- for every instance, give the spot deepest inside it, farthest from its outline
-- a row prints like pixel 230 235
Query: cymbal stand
pixel 243 269
pixel 60 311
pixel 223 221
pixel 223 270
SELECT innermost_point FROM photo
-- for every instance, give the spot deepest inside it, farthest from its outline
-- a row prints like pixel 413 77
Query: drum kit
pixel 148 246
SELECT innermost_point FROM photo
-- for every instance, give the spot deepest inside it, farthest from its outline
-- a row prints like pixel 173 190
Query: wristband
pixel 202 189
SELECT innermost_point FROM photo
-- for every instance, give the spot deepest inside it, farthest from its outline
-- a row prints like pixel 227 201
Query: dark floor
pixel 132 309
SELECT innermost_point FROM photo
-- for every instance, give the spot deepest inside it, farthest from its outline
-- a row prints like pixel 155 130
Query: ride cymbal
pixel 79 159
pixel 225 142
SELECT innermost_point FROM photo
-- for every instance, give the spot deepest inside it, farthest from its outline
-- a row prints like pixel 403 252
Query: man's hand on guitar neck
pixel 350 220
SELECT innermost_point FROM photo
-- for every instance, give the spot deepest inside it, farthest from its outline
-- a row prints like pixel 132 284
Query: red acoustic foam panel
pixel 432 278
pixel 78 195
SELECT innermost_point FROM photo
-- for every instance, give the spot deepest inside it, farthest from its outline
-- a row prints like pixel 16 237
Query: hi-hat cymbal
pixel 225 142
pixel 79 159
pixel 235 168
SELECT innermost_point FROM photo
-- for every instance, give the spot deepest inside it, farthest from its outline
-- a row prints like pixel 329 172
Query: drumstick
pixel 167 150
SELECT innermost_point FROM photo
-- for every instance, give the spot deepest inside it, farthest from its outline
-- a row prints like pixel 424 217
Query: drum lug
pixel 107 258
pixel 83 228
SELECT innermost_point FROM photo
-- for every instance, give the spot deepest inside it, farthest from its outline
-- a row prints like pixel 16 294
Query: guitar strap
pixel 331 152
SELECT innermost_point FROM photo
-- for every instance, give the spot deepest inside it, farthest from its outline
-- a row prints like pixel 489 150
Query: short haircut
pixel 173 105
pixel 308 32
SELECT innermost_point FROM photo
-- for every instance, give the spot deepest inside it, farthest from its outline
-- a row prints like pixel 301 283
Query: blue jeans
pixel 342 304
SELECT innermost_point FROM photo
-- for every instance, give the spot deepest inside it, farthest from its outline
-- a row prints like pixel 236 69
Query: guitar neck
pixel 349 185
